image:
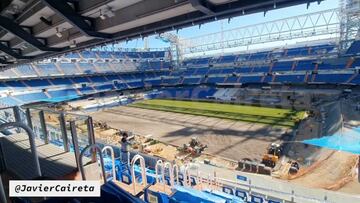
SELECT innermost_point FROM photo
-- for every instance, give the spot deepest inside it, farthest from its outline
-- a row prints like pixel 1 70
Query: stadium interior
pixel 218 117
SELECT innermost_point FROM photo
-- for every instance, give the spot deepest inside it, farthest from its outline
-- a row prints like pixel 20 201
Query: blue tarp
pixel 61 99
pixel 348 141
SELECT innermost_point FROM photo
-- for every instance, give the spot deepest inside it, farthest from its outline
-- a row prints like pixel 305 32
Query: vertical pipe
pixel 16 111
pixel 111 150
pixel 75 142
pixel 31 140
pixel 2 192
pixel 43 126
pixel 91 137
pixel 17 116
pixel 64 132
pixel 28 119
pixel 95 148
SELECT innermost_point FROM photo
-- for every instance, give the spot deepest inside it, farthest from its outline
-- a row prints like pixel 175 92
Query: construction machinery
pixel 294 167
pixel 273 154
pixel 194 147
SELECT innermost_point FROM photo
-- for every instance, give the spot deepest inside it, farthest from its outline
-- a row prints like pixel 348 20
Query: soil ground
pixel 227 138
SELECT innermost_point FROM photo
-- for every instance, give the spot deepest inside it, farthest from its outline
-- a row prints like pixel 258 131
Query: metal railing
pixel 54 127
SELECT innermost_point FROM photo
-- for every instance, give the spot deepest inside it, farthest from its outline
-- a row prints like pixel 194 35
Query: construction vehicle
pixel 294 168
pixel 273 154
pixel 194 147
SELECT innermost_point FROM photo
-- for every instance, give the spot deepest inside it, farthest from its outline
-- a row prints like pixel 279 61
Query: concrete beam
pixel 203 6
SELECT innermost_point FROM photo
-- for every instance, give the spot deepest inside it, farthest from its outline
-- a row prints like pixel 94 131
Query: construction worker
pixel 124 147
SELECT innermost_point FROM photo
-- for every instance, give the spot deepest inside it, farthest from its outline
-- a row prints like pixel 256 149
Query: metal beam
pixel 203 6
pixel 2 61
pixel 7 50
pixel 17 30
pixel 223 11
pixel 78 21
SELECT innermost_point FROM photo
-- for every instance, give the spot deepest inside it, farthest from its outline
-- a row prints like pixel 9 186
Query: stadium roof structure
pixel 36 29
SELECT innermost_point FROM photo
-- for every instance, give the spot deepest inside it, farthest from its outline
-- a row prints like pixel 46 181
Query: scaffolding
pixel 319 25
pixel 350 23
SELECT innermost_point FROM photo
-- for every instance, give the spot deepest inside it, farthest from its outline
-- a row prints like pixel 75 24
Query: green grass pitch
pixel 253 114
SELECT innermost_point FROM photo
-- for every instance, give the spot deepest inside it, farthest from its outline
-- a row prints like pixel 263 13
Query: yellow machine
pixel 273 154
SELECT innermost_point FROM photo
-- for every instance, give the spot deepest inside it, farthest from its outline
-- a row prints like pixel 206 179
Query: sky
pixel 241 21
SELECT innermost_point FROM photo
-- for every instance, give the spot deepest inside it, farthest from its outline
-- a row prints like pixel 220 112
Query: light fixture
pixel 73 45
pixel 58 34
pixel 102 16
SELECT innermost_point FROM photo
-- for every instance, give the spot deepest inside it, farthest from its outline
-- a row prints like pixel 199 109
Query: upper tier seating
pixel 48 69
pixel 26 70
pixel 354 48
pixel 72 55
pixel 69 68
pixel 8 73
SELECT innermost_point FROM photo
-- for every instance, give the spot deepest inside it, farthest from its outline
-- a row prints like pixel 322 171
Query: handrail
pixel 171 173
pixel 186 176
pixel 31 140
pixel 143 172
pixel 175 166
pixel 159 163
pixel 98 149
pixel 111 150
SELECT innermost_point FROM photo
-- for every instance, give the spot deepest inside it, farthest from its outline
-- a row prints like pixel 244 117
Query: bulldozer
pixel 194 147
pixel 273 154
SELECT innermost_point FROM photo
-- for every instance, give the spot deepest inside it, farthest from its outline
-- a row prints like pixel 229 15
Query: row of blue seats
pixel 97 84
pixel 154 79
pixel 305 65
pixel 265 55
pixel 48 69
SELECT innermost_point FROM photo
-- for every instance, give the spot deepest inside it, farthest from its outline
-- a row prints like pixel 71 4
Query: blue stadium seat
pixel 32 97
pixel 262 69
pixel 72 55
pixel 62 93
pixel 290 78
pixel 332 78
pixel 87 68
pixel 215 80
pixel 26 70
pixel 213 71
pixel 69 68
pixel 250 79
pixel 38 83
pixel 305 65
pixel 88 54
pixel 282 66
pixel 231 79
pixel 192 80
pixel 48 69
pixel 61 81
